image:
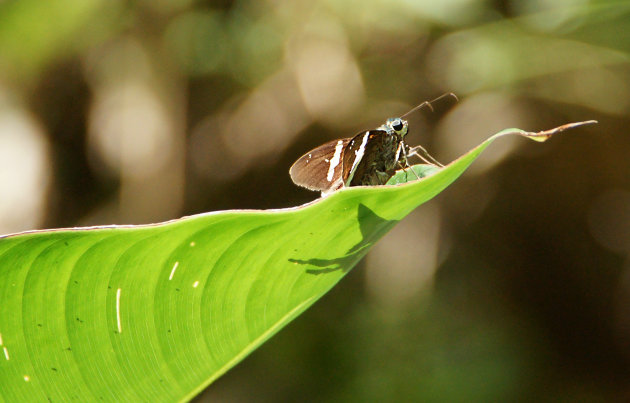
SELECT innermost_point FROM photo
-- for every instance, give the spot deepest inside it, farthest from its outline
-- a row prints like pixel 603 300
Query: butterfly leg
pixel 405 150
pixel 426 157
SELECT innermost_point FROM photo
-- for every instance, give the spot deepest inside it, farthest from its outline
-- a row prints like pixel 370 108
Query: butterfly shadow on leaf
pixel 372 228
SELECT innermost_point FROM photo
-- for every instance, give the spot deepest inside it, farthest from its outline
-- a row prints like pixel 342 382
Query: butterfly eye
pixel 397 125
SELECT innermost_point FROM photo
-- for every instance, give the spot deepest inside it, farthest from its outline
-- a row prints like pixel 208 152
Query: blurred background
pixel 513 284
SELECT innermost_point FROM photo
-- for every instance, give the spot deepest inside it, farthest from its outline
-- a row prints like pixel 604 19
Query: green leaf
pixel 158 312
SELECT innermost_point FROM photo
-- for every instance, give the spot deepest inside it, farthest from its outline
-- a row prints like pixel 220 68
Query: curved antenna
pixel 428 103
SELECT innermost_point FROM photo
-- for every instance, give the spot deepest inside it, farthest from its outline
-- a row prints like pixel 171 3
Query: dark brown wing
pixel 320 168
pixel 359 158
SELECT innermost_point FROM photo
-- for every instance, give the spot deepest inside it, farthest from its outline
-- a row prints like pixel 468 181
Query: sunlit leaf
pixel 158 312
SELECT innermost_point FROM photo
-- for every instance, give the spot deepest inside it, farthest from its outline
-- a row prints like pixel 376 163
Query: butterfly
pixel 369 158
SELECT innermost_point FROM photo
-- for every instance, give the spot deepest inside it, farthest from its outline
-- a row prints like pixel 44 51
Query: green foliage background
pixel 511 284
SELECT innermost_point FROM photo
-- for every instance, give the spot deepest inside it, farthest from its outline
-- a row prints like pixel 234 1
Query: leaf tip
pixel 546 134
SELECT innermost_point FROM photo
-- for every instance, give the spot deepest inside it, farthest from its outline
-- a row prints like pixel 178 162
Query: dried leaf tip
pixel 545 134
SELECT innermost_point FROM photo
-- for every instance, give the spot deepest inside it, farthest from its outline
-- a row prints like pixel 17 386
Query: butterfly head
pixel 395 126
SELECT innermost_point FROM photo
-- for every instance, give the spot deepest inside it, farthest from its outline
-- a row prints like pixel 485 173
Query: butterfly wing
pixel 357 168
pixel 320 169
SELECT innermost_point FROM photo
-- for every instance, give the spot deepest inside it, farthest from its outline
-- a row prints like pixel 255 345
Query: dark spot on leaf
pixel 177 289
pixel 39 325
pixel 65 243
pixel 54 369
pixel 76 282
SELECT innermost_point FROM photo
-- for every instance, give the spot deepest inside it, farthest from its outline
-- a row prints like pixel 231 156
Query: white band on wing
pixel 358 156
pixel 335 160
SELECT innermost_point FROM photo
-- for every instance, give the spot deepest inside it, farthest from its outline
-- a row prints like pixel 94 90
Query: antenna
pixel 428 103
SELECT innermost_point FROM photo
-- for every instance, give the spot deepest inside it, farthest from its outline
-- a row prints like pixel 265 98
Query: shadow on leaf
pixel 372 228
